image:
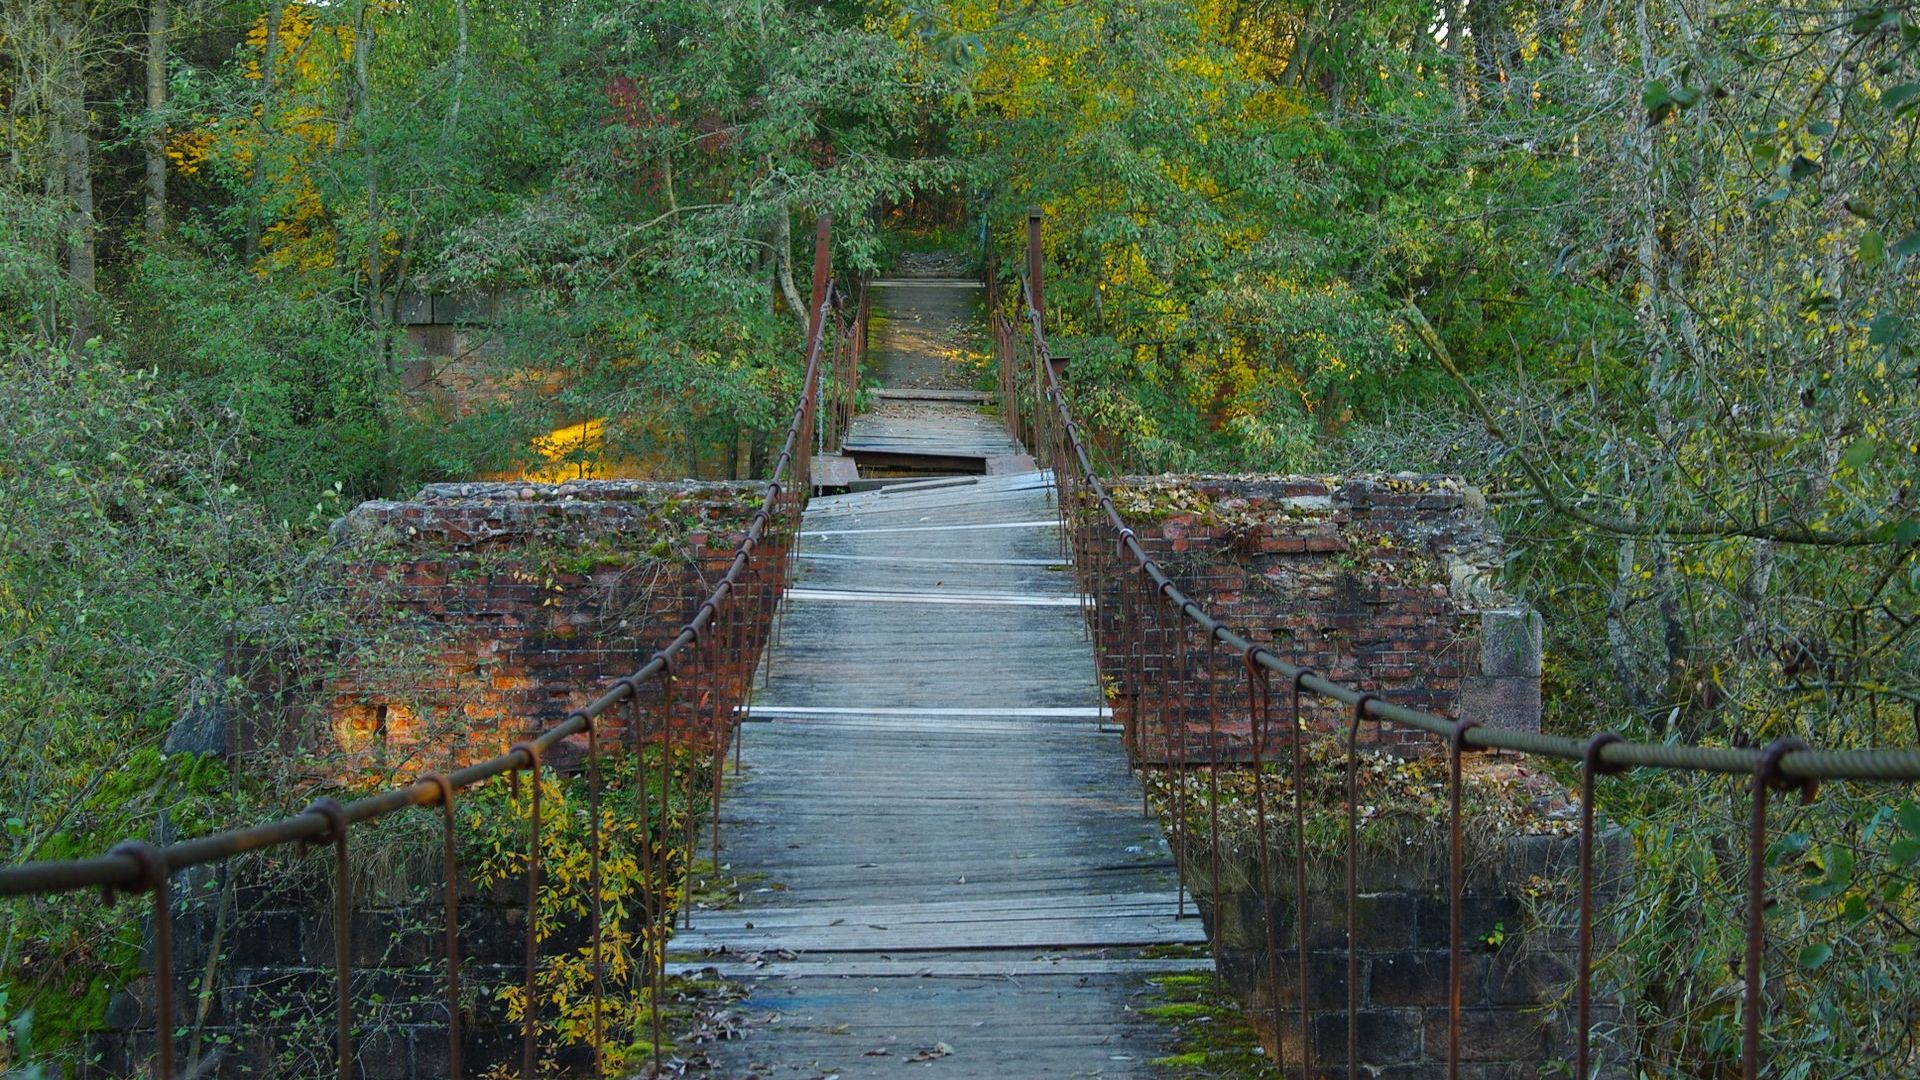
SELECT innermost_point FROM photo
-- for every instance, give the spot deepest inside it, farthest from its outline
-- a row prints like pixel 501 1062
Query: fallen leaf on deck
pixel 937 1050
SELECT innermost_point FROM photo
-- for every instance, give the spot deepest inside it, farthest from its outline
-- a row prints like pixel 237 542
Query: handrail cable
pixel 749 585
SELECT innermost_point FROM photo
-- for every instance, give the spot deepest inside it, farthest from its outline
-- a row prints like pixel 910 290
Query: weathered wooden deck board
pixel 936 835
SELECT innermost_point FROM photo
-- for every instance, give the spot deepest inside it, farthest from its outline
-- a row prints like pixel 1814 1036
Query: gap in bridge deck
pixel 941 841
pixel 925 339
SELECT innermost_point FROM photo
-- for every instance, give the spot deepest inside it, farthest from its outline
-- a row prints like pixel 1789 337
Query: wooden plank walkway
pixel 941 850
pixel 926 411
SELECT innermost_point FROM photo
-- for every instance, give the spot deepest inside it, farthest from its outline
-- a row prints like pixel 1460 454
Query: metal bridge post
pixel 1036 302
pixel 810 387
pixel 1034 262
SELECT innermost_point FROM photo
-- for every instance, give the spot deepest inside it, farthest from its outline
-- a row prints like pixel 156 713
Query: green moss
pixel 1208 1033
pixel 1180 1010
pixel 192 788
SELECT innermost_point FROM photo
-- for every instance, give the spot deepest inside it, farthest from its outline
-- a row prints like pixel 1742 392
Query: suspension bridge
pixel 935 827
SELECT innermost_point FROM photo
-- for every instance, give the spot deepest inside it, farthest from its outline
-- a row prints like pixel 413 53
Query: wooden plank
pixel 954 909
pixel 911 560
pixel 1040 523
pixel 868 596
pixel 934 810
pixel 913 967
pixel 926 283
pixel 962 936
pixel 977 397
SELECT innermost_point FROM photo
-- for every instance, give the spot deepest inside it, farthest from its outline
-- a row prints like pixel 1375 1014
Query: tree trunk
pixel 1483 17
pixel 363 92
pixel 756 453
pixel 1619 638
pixel 783 261
pixel 459 62
pixel 269 64
pixel 10 166
pixel 77 160
pixel 1456 48
pixel 156 101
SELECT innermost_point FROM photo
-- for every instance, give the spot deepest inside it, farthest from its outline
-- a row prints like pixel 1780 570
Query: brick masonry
pixel 508 606
pixel 504 607
pixel 1385 583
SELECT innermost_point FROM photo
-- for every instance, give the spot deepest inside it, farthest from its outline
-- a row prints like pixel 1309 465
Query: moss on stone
pixel 1206 1031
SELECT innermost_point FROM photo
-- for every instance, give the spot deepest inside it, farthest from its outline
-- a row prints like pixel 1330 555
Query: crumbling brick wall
pixel 502 608
pixel 518 603
pixel 1383 583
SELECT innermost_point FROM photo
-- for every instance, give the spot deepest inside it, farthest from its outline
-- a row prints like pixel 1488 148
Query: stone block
pixel 1491 1035
pixel 1386 1037
pixel 1418 978
pixel 1510 642
pixel 1326 975
pixel 1384 921
pixel 201 725
pixel 1530 977
pixel 384 1053
pixel 1481 918
pixel 1509 702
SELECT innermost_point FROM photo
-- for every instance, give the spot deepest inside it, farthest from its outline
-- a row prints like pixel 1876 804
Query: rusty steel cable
pixel 335 816
pixel 1590 769
pixel 1353 885
pixel 595 907
pixel 152 868
pixel 1786 764
pixel 1213 793
pixel 1259 704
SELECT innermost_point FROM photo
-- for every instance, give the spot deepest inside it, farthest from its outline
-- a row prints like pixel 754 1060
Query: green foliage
pixel 296 377
pixel 644 870
pixel 1670 254
pixel 127 552
pixel 1667 257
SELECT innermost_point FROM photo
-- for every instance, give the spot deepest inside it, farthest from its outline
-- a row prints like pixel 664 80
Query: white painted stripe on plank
pixel 955 728
pixel 989 599
pixel 1049 523
pixel 936 969
pixel 1053 900
pixel 1061 564
pixel 947 493
pixel 1085 934
pixel 1064 711
pixel 926 283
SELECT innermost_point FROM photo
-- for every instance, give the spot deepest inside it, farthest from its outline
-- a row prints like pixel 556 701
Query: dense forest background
pixel 1644 270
